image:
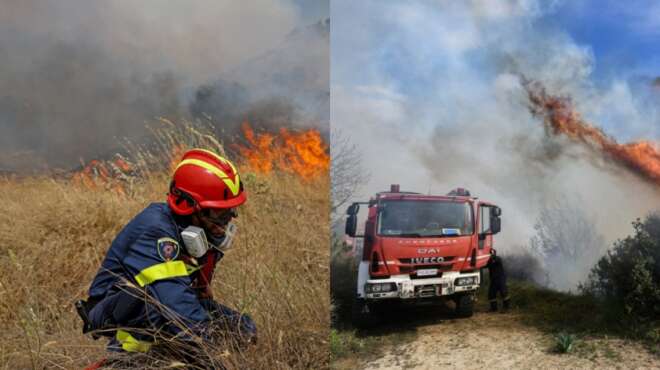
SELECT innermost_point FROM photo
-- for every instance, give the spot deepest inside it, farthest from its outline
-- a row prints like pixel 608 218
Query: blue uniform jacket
pixel 147 252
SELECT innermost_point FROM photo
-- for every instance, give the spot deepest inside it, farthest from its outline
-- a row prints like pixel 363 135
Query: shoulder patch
pixel 168 248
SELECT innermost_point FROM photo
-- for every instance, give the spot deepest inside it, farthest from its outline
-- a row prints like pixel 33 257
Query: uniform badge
pixel 168 249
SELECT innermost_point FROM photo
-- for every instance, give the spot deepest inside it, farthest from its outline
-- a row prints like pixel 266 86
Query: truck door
pixel 485 237
pixel 480 256
pixel 489 223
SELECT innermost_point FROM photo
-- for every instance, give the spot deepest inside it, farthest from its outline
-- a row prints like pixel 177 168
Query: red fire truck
pixel 419 247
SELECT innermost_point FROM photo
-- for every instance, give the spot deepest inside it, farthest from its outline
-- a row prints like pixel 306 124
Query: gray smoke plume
pixel 288 86
pixel 77 76
pixel 442 105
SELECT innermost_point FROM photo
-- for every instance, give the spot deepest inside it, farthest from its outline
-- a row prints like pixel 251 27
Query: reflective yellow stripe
pixel 234 186
pixel 166 270
pixel 130 344
pixel 219 158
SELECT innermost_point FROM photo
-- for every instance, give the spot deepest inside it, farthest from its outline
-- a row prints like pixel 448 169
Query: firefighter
pixel 497 282
pixel 156 275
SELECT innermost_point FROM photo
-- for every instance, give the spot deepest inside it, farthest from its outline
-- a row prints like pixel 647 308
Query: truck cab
pixel 423 247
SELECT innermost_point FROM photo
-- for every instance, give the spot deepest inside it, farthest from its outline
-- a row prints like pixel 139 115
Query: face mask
pixel 197 243
pixel 225 242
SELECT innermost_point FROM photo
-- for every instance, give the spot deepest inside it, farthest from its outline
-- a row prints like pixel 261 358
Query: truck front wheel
pixel 464 304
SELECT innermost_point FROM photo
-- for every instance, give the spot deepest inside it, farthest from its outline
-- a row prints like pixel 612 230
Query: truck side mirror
pixel 351 225
pixel 497 211
pixel 495 224
pixel 353 209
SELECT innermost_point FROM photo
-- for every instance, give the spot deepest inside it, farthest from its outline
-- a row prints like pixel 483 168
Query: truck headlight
pixel 380 287
pixel 467 280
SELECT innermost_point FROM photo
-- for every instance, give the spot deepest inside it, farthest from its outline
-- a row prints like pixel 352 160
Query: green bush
pixel 628 277
pixel 564 342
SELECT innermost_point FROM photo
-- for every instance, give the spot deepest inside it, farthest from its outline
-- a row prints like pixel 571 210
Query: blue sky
pixel 624 35
pixel 448 55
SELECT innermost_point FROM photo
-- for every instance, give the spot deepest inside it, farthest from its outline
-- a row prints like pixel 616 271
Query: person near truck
pixel 497 282
pixel 156 275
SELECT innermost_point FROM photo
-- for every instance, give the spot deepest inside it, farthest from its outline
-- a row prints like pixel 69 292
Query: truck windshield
pixel 415 218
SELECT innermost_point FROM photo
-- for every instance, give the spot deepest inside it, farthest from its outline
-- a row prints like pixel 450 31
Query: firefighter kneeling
pixel 497 282
pixel 156 275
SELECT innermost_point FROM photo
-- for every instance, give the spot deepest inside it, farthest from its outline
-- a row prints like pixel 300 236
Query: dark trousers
pixel 498 285
pixel 120 308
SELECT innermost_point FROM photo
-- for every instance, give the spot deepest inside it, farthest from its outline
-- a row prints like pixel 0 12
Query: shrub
pixel 564 342
pixel 628 277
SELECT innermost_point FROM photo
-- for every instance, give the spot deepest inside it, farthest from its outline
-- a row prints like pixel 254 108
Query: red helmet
pixel 204 179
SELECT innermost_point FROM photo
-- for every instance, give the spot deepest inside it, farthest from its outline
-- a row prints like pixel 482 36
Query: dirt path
pixel 502 341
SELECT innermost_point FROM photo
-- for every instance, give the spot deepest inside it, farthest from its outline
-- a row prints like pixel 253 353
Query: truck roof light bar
pixel 459 192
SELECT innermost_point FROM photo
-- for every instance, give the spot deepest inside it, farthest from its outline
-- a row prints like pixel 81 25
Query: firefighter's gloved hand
pixel 226 322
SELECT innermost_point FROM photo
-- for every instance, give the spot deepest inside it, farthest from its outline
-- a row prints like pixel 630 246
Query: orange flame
pixel 642 157
pixel 109 175
pixel 303 153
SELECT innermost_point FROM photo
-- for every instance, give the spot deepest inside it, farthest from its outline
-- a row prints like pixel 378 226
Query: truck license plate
pixel 427 272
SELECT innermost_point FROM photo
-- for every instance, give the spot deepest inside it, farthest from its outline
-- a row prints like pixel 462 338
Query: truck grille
pixel 425 291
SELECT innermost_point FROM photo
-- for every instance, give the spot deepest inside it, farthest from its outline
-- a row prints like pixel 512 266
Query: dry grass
pixel 53 237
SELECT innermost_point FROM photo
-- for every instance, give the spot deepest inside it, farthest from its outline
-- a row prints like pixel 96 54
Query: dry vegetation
pixel 53 237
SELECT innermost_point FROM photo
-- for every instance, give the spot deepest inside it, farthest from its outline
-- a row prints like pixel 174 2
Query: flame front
pixel 642 157
pixel 303 153
pixel 113 175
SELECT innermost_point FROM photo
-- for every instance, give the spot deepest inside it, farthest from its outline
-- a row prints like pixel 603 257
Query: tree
pixel 347 173
pixel 567 242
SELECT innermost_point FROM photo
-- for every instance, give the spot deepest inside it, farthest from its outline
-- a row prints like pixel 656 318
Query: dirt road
pixel 503 341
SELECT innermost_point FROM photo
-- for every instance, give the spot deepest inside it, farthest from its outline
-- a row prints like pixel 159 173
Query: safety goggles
pixel 219 216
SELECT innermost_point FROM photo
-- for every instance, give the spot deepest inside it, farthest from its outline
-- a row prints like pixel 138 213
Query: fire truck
pixel 418 248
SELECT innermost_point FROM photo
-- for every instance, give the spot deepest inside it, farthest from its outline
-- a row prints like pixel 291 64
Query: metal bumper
pixel 407 288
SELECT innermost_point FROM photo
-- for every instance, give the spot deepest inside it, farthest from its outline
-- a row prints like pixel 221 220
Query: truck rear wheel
pixel 464 305
pixel 362 316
